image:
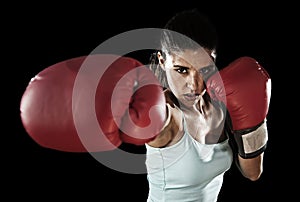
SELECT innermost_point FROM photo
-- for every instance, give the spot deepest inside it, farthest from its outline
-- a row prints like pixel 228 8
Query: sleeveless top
pixel 187 171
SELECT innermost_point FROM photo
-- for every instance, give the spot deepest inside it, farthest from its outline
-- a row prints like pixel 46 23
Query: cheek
pixel 175 80
pixel 172 75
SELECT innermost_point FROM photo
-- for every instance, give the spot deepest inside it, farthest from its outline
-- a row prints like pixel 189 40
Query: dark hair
pixel 194 26
pixel 188 29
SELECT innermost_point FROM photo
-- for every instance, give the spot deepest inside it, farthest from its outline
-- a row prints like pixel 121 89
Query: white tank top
pixel 187 171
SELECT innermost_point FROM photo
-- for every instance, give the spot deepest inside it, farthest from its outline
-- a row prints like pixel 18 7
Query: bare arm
pixel 173 129
pixel 251 168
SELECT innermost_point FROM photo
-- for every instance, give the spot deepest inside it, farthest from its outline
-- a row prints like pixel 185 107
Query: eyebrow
pixel 205 67
pixel 180 66
pixel 209 66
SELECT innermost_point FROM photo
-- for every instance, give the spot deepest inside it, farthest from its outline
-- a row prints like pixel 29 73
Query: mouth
pixel 191 96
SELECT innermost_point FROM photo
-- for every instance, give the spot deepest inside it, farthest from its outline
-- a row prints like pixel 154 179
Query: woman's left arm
pixel 244 86
pixel 251 168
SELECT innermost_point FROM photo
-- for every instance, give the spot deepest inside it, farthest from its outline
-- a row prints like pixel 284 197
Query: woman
pixel 187 160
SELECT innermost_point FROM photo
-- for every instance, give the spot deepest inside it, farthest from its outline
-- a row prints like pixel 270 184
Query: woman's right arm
pixel 173 124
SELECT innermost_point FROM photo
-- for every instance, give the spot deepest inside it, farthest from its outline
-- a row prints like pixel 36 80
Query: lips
pixel 191 96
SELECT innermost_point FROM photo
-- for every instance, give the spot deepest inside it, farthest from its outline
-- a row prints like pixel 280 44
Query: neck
pixel 199 107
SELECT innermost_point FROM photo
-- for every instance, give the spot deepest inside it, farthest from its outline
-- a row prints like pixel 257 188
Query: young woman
pixel 212 117
pixel 188 159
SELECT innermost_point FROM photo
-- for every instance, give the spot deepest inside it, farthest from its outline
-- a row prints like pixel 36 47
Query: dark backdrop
pixel 46 33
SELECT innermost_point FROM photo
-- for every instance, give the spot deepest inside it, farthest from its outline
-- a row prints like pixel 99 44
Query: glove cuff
pixel 253 142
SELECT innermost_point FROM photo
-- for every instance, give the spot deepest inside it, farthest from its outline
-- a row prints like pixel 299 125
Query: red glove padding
pixel 86 104
pixel 245 87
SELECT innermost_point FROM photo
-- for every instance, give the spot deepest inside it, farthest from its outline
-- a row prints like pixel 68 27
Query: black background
pixel 42 34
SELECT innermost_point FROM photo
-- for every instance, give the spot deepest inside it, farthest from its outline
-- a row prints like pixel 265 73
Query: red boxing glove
pixel 133 104
pixel 87 103
pixel 245 88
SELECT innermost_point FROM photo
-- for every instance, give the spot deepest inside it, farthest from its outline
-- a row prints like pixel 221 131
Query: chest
pixel 206 129
pixel 188 164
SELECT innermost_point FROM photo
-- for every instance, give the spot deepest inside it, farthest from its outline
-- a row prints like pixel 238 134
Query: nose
pixel 194 81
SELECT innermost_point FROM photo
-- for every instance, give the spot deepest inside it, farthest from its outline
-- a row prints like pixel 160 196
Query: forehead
pixel 195 58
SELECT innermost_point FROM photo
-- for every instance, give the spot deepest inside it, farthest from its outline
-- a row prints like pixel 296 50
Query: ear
pixel 212 53
pixel 161 60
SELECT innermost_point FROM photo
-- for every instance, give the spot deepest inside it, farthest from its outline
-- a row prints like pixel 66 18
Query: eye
pixel 182 70
pixel 207 70
pixel 204 71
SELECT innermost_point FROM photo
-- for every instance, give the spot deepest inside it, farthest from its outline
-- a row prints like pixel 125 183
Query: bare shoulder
pixel 173 130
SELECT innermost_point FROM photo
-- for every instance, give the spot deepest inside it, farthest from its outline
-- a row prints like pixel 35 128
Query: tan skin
pixel 203 120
